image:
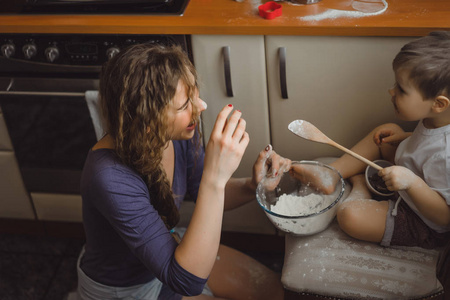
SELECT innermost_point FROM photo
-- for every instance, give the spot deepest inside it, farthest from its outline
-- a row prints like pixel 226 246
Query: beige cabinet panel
pixel 248 218
pixel 5 141
pixel 248 80
pixel 57 207
pixel 14 199
pixel 340 84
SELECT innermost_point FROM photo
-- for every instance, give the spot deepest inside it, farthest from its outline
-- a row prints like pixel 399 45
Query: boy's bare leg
pixel 361 217
pixel 348 166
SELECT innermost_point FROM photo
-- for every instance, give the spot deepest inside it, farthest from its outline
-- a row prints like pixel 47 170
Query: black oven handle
pixel 32 93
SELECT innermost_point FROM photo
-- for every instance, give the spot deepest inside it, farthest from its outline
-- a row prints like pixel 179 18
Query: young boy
pixel 421 175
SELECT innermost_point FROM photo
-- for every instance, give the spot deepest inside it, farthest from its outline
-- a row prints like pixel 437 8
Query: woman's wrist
pixel 210 184
pixel 213 179
pixel 251 185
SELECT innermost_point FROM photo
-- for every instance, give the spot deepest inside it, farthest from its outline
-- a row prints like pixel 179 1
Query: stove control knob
pixel 8 50
pixel 29 50
pixel 111 52
pixel 52 53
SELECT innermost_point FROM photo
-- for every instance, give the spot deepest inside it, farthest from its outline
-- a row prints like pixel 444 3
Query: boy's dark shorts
pixel 407 229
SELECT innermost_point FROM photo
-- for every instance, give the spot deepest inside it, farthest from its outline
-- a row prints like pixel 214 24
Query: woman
pixel 137 175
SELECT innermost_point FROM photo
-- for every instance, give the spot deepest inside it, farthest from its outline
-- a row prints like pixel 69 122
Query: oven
pixel 46 83
pixel 97 7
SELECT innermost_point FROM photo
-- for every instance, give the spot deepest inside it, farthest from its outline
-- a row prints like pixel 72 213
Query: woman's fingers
pixel 232 128
pixel 221 120
pixel 269 164
pixel 261 160
pixel 232 124
pixel 226 145
pixel 239 132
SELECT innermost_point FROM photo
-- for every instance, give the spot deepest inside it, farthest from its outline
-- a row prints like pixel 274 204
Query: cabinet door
pixel 340 84
pixel 57 207
pixel 14 199
pixel 248 83
pixel 5 141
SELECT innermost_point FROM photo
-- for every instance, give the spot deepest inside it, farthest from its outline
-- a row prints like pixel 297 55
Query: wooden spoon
pixel 310 132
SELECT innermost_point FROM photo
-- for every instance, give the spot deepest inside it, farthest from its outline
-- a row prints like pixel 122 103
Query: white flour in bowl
pixel 290 205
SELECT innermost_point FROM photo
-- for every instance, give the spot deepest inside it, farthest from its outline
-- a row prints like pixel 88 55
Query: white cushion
pixel 333 264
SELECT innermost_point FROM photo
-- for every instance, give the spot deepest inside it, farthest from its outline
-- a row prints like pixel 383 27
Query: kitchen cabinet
pixel 340 84
pixel 5 141
pixel 246 56
pixel 57 207
pixel 14 199
pixel 248 86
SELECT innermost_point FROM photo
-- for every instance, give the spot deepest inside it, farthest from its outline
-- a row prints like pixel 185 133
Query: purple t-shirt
pixel 127 243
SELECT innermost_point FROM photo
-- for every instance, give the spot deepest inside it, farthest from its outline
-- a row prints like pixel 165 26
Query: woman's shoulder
pixel 102 158
pixel 103 165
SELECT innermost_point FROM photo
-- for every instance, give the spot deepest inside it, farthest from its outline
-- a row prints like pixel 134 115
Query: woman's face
pixel 408 102
pixel 181 121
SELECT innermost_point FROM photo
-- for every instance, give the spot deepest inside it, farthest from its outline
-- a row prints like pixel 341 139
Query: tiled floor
pixel 37 267
pixel 42 267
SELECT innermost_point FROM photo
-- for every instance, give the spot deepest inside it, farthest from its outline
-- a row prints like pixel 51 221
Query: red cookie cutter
pixel 270 10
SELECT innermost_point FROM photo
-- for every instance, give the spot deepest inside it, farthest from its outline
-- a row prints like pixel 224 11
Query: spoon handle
pixel 356 155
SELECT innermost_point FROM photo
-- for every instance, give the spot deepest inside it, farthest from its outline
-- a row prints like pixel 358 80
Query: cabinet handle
pixel 283 83
pixel 227 68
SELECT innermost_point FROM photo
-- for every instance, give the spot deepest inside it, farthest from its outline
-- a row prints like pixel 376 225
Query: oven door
pixel 85 2
pixel 154 7
pixel 51 130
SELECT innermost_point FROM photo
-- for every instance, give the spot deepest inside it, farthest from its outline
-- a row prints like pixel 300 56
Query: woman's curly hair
pixel 136 87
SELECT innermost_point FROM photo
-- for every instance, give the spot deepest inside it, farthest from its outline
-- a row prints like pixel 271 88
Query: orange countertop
pixel 328 17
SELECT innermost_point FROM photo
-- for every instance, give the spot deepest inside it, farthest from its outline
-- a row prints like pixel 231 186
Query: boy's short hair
pixel 427 60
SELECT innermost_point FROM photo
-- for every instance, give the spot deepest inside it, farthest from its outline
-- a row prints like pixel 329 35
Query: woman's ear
pixel 441 103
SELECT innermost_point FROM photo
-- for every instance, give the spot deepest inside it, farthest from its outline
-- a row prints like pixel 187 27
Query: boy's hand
pixel 398 178
pixel 390 134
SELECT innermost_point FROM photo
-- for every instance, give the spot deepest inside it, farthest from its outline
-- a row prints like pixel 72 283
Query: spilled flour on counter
pixel 290 205
pixel 363 9
pixel 255 4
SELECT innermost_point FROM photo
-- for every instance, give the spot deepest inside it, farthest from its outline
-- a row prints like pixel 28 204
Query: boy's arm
pixel 429 202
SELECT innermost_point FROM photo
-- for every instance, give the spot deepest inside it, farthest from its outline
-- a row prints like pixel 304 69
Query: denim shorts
pixel 89 289
pixel 407 229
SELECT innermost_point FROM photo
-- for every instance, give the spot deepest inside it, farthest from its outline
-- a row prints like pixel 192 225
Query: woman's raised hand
pixel 225 147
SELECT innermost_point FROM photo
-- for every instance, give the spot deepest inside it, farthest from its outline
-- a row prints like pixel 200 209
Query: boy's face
pixel 408 102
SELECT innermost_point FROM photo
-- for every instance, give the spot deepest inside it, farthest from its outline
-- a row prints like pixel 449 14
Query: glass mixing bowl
pixel 306 206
